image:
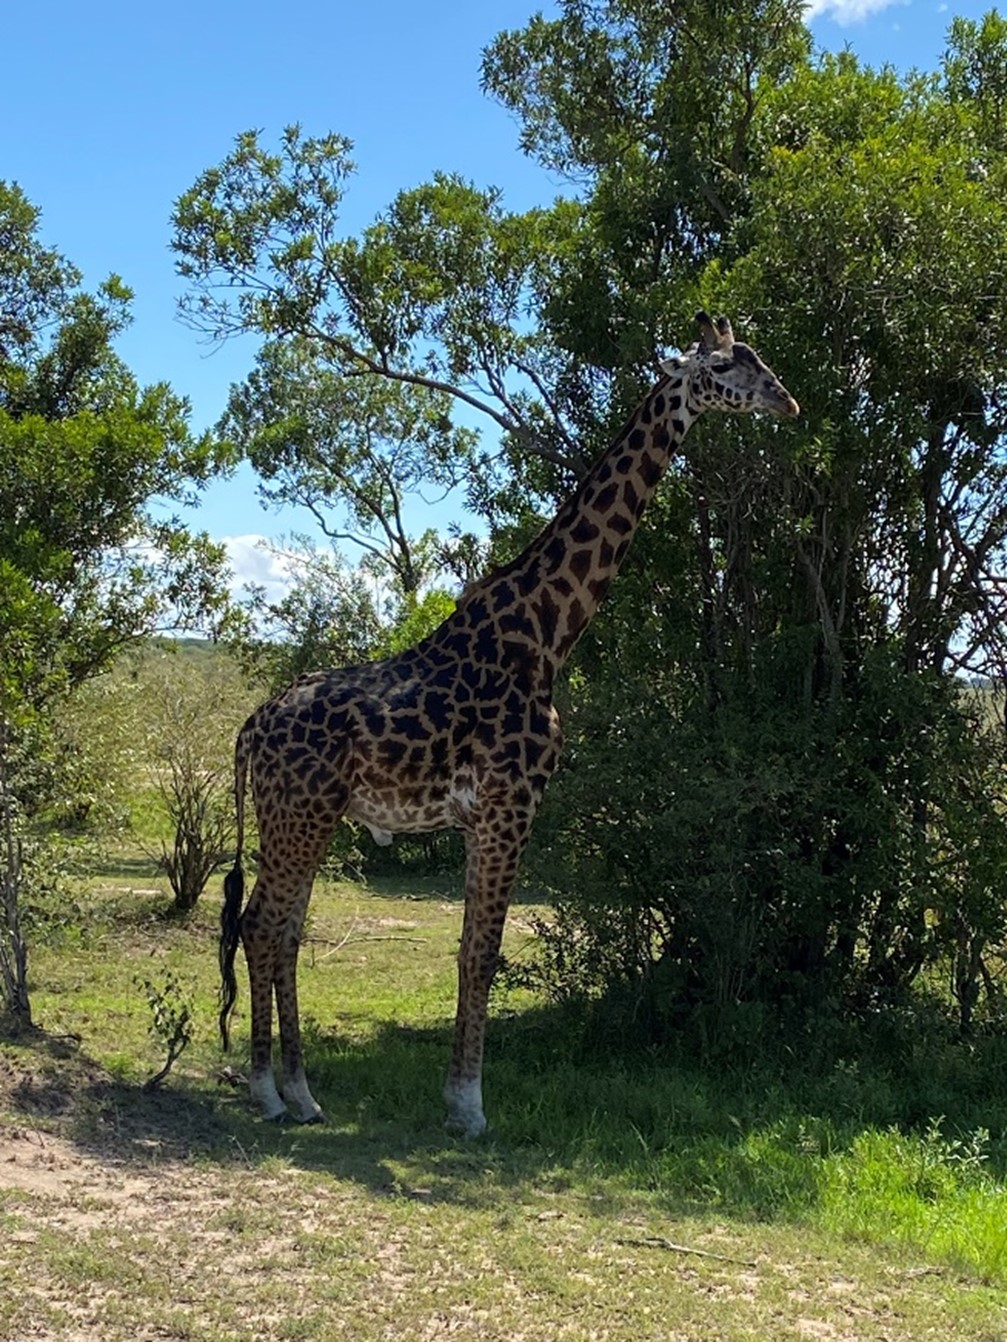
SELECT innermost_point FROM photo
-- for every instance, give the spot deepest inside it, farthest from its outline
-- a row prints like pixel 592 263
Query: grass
pixel 617 1197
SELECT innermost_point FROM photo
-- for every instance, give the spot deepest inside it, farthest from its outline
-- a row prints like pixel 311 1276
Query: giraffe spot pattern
pixel 459 731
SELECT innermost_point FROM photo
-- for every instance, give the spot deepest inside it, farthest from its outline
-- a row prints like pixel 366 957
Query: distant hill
pixel 184 647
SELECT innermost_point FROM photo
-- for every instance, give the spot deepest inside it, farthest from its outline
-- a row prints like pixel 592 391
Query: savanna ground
pixel 616 1197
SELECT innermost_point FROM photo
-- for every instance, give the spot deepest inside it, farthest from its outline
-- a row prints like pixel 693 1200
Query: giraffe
pixel 459 731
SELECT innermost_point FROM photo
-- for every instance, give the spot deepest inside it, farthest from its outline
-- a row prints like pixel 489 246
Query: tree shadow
pixel 120 866
pixel 51 1087
pixel 50 1083
pixel 740 1138
pixel 447 887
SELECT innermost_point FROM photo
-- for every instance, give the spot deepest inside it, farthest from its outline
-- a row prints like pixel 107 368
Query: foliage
pixel 83 450
pixel 203 825
pixel 86 567
pixel 650 112
pixel 440 293
pixel 143 753
pixel 98 739
pixel 776 865
pixel 351 451
pixel 332 614
pixel 776 795
pixel 328 617
pixel 171 1021
pixel 808 813
pixel 335 445
pixel 191 713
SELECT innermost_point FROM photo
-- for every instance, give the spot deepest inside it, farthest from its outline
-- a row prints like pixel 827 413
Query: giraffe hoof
pixel 459 1131
pixel 312 1120
pixel 465 1107
pixel 459 1126
pixel 302 1103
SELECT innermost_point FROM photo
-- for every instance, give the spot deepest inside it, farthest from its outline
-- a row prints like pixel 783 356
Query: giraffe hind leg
pixel 291 847
pixel 260 952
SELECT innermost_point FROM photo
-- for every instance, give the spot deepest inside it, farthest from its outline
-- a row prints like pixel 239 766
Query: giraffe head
pixel 721 373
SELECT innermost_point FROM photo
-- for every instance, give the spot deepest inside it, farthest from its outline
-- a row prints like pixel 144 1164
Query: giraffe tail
pixel 234 890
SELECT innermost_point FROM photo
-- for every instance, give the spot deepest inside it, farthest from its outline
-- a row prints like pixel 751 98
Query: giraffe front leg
pixel 294 1083
pixel 490 875
pixel 463 1089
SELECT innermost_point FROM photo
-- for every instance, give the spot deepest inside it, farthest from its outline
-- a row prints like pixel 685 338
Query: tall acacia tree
pixel 809 821
pixel 349 450
pixel 828 821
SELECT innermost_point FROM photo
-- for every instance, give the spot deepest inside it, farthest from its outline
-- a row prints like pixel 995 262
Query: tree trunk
pixel 15 1008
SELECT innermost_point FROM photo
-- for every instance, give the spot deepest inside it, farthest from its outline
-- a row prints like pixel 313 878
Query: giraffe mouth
pixel 784 404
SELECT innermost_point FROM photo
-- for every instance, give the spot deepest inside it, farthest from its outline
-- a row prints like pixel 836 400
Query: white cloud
pixel 845 12
pixel 263 562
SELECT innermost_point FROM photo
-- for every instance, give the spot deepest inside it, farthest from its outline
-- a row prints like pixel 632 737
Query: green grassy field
pixel 616 1197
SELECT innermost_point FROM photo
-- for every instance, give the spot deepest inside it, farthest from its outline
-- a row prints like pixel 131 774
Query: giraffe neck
pixel 549 594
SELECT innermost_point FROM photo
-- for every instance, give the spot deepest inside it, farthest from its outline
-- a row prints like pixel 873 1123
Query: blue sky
pixel 109 111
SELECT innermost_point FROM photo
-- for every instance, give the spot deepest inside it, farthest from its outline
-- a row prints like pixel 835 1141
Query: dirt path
pixel 120 1218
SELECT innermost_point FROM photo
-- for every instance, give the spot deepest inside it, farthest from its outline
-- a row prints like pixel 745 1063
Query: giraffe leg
pixel 294 1084
pixel 491 870
pixel 271 932
pixel 292 841
pixel 260 946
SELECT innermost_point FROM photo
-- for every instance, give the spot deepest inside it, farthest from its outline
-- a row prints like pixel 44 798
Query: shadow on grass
pixel 48 1085
pixel 747 1138
pixel 52 1084
pixel 447 886
pixel 120 867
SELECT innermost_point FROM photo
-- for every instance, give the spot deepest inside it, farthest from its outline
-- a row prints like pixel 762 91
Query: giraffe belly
pixel 398 811
pixel 382 837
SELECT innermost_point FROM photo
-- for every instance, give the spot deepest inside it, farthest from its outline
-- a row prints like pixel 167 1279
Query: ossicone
pixel 714 335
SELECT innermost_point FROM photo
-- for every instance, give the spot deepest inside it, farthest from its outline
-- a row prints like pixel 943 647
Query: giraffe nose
pixel 783 403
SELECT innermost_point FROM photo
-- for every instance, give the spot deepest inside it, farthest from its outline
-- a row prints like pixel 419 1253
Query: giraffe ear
pixel 673 363
pixel 714 335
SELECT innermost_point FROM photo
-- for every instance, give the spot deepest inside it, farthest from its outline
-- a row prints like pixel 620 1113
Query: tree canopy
pixel 88 564
pixel 85 564
pixel 803 803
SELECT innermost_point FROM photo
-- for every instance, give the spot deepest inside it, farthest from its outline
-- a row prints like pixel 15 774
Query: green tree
pixel 330 616
pixel 441 293
pixel 775 790
pixel 825 780
pixel 86 565
pixel 350 451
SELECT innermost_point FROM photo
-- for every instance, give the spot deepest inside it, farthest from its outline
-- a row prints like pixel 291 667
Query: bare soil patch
pixel 126 1215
